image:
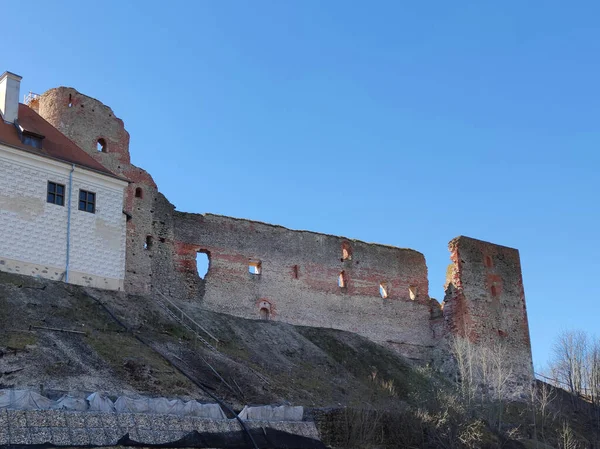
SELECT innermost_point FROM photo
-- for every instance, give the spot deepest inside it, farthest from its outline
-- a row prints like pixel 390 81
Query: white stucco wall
pixel 34 232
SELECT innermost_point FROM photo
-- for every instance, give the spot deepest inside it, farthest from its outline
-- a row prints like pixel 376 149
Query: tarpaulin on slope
pixel 70 403
pixel 100 403
pixel 194 408
pixel 272 413
pixel 127 405
pixel 166 406
pixel 150 405
pixel 24 400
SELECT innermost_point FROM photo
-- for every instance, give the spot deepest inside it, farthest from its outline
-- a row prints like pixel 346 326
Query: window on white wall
pixel 87 201
pixel 56 193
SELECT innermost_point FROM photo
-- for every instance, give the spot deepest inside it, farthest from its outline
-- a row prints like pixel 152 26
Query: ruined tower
pixel 485 300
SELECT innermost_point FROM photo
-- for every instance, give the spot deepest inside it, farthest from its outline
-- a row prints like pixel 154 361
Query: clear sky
pixel 405 123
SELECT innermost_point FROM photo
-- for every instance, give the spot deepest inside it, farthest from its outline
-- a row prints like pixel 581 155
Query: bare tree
pixel 484 373
pixel 464 354
pixel 542 397
pixel 576 366
pixel 569 360
pixel 592 372
pixel 593 378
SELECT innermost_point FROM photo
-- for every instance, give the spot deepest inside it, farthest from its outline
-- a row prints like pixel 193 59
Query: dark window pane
pixel 90 207
pixel 91 197
pixel 60 200
pixel 82 195
pixel 60 189
pixel 51 198
pixel 82 205
pixel 51 187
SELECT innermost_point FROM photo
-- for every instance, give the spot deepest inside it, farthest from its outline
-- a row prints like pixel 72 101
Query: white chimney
pixel 10 84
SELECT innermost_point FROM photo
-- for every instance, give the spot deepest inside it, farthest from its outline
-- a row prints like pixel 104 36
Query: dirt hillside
pixel 56 337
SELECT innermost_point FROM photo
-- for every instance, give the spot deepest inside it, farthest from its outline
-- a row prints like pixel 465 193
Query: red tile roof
pixel 54 145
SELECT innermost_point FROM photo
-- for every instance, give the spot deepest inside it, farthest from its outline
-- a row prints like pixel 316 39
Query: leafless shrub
pixel 542 396
pixel 567 438
pixel 386 385
pixel 484 373
pixel 361 428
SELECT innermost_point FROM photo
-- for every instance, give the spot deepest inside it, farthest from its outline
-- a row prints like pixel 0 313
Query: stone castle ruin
pixel 262 271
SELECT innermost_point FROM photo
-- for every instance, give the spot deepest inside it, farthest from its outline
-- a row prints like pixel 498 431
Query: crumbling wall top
pixel 88 122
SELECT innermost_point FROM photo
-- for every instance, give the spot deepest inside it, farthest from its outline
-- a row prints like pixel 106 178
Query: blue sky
pixel 393 122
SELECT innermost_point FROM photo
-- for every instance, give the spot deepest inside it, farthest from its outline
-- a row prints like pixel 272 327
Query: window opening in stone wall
pixel 254 267
pixel 383 290
pixel 70 101
pixel 412 292
pixel 56 193
pixel 202 263
pixel 148 242
pixel 295 271
pixel 494 290
pixel 346 251
pixel 488 262
pixel 264 309
pixel 264 313
pixel 342 281
pixel 101 145
pixel 87 201
pixel 139 193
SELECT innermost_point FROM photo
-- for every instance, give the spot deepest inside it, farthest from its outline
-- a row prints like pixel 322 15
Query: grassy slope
pixel 258 362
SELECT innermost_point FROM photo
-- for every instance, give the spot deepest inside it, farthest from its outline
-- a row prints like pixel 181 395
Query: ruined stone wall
pixel 299 279
pixel 485 299
pixel 298 282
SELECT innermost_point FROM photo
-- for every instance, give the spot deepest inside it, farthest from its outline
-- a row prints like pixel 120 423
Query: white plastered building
pixel 61 211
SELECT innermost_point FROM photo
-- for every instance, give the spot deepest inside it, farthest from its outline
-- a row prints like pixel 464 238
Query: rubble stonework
pixel 97 429
pixel 299 270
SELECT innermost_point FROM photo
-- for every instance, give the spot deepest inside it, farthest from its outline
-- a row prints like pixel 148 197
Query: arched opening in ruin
pixel 346 251
pixel 342 281
pixel 202 263
pixel 295 271
pixel 264 309
pixel 148 242
pixel 383 290
pixel 138 192
pixel 488 262
pixel 70 101
pixel 101 145
pixel 412 292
